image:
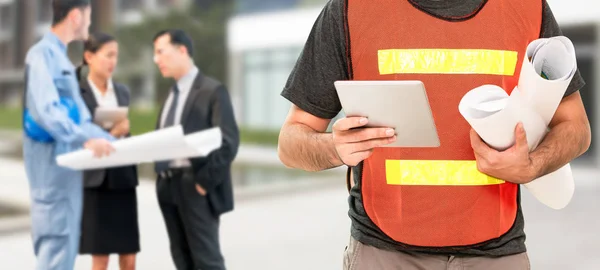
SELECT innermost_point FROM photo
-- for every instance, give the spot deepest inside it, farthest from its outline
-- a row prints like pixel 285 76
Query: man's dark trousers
pixel 188 215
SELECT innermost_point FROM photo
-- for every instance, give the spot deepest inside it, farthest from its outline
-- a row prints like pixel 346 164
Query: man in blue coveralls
pixel 56 121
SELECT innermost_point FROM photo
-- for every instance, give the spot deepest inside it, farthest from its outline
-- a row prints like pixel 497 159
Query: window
pixel 131 4
pixel 585 41
pixel 255 6
pixel 255 89
pixel 6 20
pixel 588 95
pixel 136 85
pixel 166 3
pixel 45 11
pixel 5 55
pixel 265 75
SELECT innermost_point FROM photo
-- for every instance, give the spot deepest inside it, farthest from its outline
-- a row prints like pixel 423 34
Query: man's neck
pixel 63 34
pixel 184 71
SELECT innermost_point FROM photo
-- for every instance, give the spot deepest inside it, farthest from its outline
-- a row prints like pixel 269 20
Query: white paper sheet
pixel 196 144
pixel 164 144
pixel 107 117
pixel 556 189
pixel 494 115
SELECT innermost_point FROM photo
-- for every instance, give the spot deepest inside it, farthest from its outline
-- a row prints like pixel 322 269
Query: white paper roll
pixel 553 58
pixel 494 116
pixel 556 189
pixel 548 68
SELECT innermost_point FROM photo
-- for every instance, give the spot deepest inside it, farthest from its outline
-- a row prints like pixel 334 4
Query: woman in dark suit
pixel 110 220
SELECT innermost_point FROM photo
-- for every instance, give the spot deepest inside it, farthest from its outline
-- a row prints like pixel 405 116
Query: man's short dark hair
pixel 61 8
pixel 178 37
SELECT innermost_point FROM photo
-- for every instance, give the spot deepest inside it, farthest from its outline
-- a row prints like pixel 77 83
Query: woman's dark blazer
pixel 118 177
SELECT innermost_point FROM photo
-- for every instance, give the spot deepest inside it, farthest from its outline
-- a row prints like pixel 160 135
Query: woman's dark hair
pixel 93 45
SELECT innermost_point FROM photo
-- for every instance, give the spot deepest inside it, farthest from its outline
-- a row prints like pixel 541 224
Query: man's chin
pixel 166 75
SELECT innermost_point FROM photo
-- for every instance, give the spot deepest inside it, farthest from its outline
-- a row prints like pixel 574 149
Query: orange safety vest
pixel 435 197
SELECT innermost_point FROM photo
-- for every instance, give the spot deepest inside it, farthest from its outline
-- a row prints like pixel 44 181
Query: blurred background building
pixel 264 43
pixel 23 22
pixel 262 40
pixel 581 24
pixel 252 45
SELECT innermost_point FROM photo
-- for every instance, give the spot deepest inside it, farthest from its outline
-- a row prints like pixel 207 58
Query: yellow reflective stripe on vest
pixel 447 61
pixel 436 173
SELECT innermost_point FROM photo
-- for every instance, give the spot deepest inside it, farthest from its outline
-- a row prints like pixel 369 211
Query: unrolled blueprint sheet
pixel 164 144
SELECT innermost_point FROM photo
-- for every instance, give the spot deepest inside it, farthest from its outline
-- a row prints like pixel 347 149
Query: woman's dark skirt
pixel 109 223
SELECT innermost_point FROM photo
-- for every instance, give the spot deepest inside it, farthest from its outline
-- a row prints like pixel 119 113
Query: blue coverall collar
pixel 53 38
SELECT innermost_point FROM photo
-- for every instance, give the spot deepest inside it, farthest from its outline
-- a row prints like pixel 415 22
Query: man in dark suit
pixel 193 193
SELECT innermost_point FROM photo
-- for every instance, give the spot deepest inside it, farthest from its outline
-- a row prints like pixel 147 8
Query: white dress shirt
pixel 106 99
pixel 185 85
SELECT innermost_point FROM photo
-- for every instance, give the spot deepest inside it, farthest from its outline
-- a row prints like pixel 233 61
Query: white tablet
pixel 402 105
pixel 107 117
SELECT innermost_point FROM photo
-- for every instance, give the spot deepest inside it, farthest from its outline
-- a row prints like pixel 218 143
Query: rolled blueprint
pixel 555 189
pixel 494 115
pixel 548 68
pixel 164 144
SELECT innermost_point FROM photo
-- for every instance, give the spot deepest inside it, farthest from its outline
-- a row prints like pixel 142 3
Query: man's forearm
pixel 302 147
pixel 565 142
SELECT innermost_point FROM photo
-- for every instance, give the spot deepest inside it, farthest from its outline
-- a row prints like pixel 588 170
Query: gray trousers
pixel 359 256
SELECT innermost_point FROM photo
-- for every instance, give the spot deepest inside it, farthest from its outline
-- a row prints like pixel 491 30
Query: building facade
pixel 23 22
pixel 265 38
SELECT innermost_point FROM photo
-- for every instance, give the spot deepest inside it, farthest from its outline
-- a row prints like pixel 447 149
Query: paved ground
pixel 565 239
pixel 268 230
pixel 306 228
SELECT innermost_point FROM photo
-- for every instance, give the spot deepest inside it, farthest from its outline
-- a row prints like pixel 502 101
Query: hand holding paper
pixel 494 115
pixel 547 71
pixel 99 147
pixel 512 165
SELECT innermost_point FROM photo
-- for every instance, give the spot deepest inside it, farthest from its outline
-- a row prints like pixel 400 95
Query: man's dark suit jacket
pixel 119 177
pixel 208 105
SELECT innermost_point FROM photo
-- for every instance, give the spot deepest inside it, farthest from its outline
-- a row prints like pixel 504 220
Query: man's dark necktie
pixel 169 121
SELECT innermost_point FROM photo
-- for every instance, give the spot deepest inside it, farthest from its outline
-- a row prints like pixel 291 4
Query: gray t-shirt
pixel 324 61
